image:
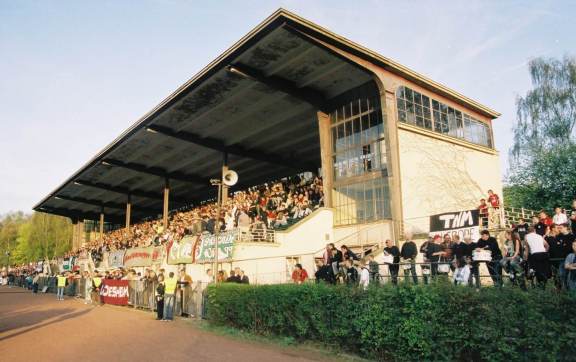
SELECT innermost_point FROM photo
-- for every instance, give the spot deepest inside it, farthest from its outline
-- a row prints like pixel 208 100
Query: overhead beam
pixel 220 146
pixel 305 94
pixel 75 213
pixel 156 171
pixel 125 191
pixel 109 205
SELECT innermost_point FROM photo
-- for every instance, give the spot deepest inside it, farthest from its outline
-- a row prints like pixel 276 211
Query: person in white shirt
pixel 559 217
pixel 461 275
pixel 364 275
pixel 536 251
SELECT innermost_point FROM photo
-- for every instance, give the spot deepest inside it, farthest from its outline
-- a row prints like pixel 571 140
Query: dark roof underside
pixel 263 114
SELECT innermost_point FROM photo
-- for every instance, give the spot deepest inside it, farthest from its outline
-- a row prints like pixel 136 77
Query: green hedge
pixel 439 322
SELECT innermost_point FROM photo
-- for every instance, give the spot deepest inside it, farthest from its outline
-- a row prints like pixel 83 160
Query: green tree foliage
pixel 33 237
pixel 542 163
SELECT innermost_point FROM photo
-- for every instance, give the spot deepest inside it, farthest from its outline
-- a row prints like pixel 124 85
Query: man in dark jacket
pixel 393 250
pixel 488 242
pixel 323 272
pixel 408 254
pixel 351 273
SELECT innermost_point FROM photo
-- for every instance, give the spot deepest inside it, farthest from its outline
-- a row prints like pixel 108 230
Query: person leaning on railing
pixel 425 267
pixel 487 242
pixel 408 254
pixel 393 268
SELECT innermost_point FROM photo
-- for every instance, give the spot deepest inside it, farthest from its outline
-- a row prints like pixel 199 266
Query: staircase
pixel 362 242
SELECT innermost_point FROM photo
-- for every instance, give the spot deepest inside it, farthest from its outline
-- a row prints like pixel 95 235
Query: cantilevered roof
pixel 257 102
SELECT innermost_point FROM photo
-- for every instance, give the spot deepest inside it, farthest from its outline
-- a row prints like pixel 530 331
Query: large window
pixel 358 138
pixel 362 202
pixel 414 108
pixel 359 155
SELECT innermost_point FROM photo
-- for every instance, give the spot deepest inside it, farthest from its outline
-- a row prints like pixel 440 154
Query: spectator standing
pixel 323 272
pixel 538 259
pixel 374 269
pixel 570 266
pixel 206 280
pixel 461 274
pixel 521 228
pixel 434 253
pixel 539 226
pixel 299 275
pixel 559 248
pixel 512 260
pixel 87 287
pixel 61 280
pixel 488 242
pixel 96 284
pixel 573 217
pixel 393 250
pixel 408 253
pixel 483 213
pixel 337 258
pixel 364 276
pixel 494 210
pixel 159 294
pixel 232 277
pixel 351 273
pixel 559 216
pixel 170 284
pixel 425 267
pixel 244 278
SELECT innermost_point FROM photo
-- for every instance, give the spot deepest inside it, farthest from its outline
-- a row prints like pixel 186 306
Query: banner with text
pixel 462 223
pixel 182 252
pixel 116 258
pixel 204 249
pixel 138 257
pixel 114 292
pixel 158 254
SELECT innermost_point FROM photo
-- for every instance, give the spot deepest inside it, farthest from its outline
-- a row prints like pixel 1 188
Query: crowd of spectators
pixel 254 211
pixel 529 253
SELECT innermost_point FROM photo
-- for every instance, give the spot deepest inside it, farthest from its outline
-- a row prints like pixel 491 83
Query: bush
pixel 406 323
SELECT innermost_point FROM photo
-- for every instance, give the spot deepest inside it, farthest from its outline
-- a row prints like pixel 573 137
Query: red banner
pixel 114 292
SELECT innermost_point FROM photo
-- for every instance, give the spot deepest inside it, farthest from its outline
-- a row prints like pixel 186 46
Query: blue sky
pixel 75 74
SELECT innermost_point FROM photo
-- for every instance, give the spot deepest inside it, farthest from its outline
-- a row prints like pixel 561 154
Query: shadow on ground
pixel 36 319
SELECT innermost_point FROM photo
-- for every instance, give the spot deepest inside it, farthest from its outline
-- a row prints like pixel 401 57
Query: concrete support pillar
pixel 102 224
pixel 388 104
pixel 128 214
pixel 74 233
pixel 166 204
pixel 224 169
pixel 326 157
pixel 81 233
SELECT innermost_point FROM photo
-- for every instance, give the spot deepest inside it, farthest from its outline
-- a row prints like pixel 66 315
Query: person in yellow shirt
pixel 61 284
pixel 96 285
pixel 170 284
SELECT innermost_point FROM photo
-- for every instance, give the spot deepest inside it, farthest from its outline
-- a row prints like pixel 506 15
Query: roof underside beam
pixel 306 94
pixel 109 205
pixel 156 171
pixel 237 150
pixel 75 213
pixel 125 191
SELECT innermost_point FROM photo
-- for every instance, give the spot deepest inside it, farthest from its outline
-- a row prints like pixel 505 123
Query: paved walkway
pixel 38 327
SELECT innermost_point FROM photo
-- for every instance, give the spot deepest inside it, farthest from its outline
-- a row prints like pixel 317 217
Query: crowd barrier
pixel 141 294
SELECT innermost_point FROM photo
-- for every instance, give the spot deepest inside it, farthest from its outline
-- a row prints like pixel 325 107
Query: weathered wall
pixel 439 176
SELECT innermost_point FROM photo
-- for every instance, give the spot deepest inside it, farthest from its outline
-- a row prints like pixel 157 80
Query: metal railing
pixel 255 235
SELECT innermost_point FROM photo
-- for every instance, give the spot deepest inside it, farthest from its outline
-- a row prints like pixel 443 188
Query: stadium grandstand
pixel 385 147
